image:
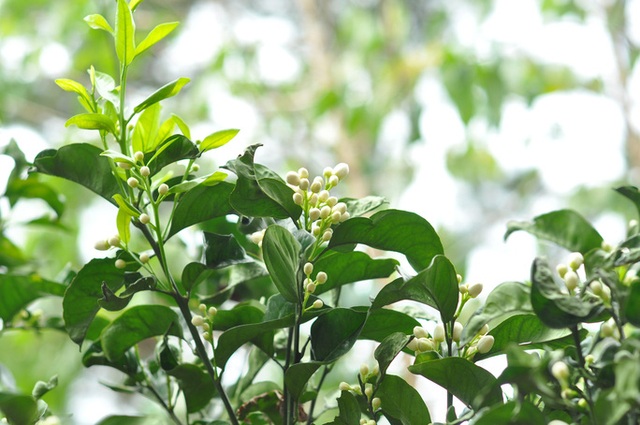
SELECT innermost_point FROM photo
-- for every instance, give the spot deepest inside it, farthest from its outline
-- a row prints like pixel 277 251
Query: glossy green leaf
pixel 125 33
pixel 281 254
pixel 217 139
pixel 18 291
pixel 260 192
pixel 349 410
pixel 208 180
pixel 297 376
pixel 201 204
pixel 436 286
pixel 145 133
pixel 196 385
pixel 171 150
pixel 82 164
pixel 348 267
pixel 112 302
pixel 222 250
pixel 19 409
pixel 358 207
pixel 126 206
pixel 555 308
pixel 382 322
pixel 136 324
pixel 123 224
pixel 10 255
pixel 632 305
pixel 194 274
pixel 388 349
pixel 512 412
pixel 98 22
pixel 133 4
pixel 90 121
pixel 31 188
pixel 106 88
pixel 128 420
pixel 566 228
pixel 155 35
pixel 334 333
pixel 182 126
pixel 471 384
pixel 506 300
pixel 168 90
pixel 80 303
pixel 392 230
pixel 402 402
pixel 74 87
pixel 527 331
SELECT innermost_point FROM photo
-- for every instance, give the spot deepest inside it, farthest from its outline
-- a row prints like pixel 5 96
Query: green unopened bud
pixel 560 371
pixel 202 308
pixel 606 247
pixel 596 287
pixel 308 268
pixel 364 371
pixel 344 386
pixel 463 288
pixel 326 236
pixel 114 241
pixel 576 260
pixel 318 304
pixel 311 288
pixel 212 311
pixel 124 165
pixel 484 330
pixel 376 403
pixel 144 258
pixel 327 172
pixel 133 182
pixel 321 278
pixel 207 336
pixel 197 321
pixel 120 263
pixel 608 329
pixel 485 344
pixel 368 390
pixel 376 369
pixel 571 280
pixel 138 156
pixel 459 278
pixel 562 269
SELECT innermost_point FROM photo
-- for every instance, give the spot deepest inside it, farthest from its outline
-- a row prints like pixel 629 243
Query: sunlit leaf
pixel 156 34
pixel 123 223
pixel 217 139
pixel 75 87
pixel 125 33
pixel 92 122
pixel 98 22
pixel 146 130
pixel 164 92
pixel 358 207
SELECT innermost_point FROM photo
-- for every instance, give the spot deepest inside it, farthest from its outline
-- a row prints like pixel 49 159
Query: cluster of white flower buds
pixel 469 290
pixel 423 342
pixel 320 209
pixel 365 387
pixel 310 285
pixel 114 242
pixel 569 272
pixel 367 421
pixel 257 237
pixel 205 321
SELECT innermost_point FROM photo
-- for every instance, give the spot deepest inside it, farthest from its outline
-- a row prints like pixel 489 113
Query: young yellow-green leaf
pixel 133 4
pixel 125 29
pixel 162 93
pixel 123 222
pixel 156 34
pixel 165 131
pixel 73 86
pixel 146 129
pixel 98 22
pixel 214 178
pixel 217 139
pixel 92 122
pixel 126 206
pixel 118 157
pixel 182 126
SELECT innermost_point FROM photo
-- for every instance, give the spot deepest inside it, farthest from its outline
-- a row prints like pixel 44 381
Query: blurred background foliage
pixel 321 82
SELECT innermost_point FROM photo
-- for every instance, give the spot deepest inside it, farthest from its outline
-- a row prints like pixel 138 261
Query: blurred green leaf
pixel 632 305
pixel 196 385
pixel 217 139
pixel 125 33
pixel 17 291
pixel 19 409
pixel 98 22
pixel 10 255
pixel 91 121
pixel 168 90
pixel 512 412
pixel 281 254
pixel 155 35
pixel 31 188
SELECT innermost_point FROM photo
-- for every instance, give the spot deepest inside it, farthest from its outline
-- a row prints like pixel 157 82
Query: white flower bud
pixel 571 280
pixel 138 156
pixel 206 327
pixel 457 331
pixel 485 344
pixel 560 371
pixel 331 201
pixel 475 290
pixel 202 308
pixel 316 186
pixel 463 288
pixel 327 172
pixel 144 218
pixel 144 258
pixel 364 370
pixel 606 294
pixel 315 229
pixel 303 173
pixel 163 189
pixel 326 236
pixel 607 329
pixel 596 287
pixel 334 180
pixel 633 223
pixel 145 171
pixel 212 311
pixel 321 278
pixel 293 178
pixel 368 390
pixel 557 422
pixel 197 320
pixel 438 333
pixel 308 268
pixel 311 288
pixel 298 199
pixel 341 170
pixel 376 403
pixel 133 182
pixel 207 336
pixel 120 263
pixel 314 214
pixel 124 165
pixel 335 217
pixel 323 195
pixel 376 369
pixel 344 386
pixel 606 247
pixel 484 330
pixel 114 240
pixel 340 206
pixel 576 260
pixel 425 344
pixel 318 304
pixel 420 332
pixel 304 184
pixel 413 344
pixel 459 278
pixel 102 245
pixel 325 212
pixel 313 199
pixel 344 217
pixel 562 269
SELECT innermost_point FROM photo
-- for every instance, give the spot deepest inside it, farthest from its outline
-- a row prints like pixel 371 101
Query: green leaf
pixel 125 33
pixel 90 121
pixel 126 206
pixel 334 333
pixel 156 34
pixel 348 267
pixel 631 193
pixel 402 402
pixel 358 207
pixel 80 303
pixel 133 4
pixel 196 385
pixel 98 22
pixel 128 420
pixel 10 255
pixel 436 286
pixel 168 90
pixel 388 349
pixel 554 308
pixel 182 126
pixel 74 87
pixel 41 387
pixel 471 384
pixel 144 138
pixel 17 291
pixel 194 274
pixel 382 322
pixel 349 410
pixel 392 230
pixel 80 163
pixel 136 324
pixel 512 412
pixel 297 376
pixel 506 300
pixel 19 409
pixel 223 250
pixel 260 192
pixel 632 305
pixel 217 139
pixel 171 150
pixel 208 180
pixel 281 252
pixel 566 228
pixel 200 204
pixel 31 188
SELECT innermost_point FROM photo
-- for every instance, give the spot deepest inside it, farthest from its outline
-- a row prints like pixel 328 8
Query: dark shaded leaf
pixel 18 291
pixel 632 305
pixel 169 151
pixel 31 188
pixel 128 420
pixel 297 376
pixel 512 412
pixel 402 402
pixel 196 385
pixel 388 349
pixel 382 322
pixel 19 409
pixel 358 207
pixel 10 255
pixel 349 410
pixel 222 250
pixel 334 333
pixel 392 230
pixel 566 228
pixel 193 274
pixel 281 254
